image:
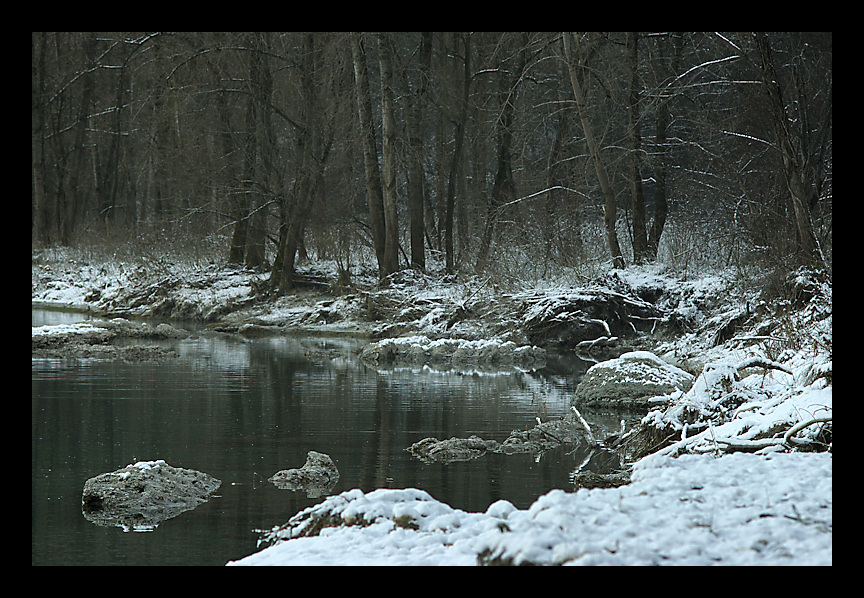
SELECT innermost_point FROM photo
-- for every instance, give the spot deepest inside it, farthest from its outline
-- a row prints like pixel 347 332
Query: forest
pixel 415 260
pixel 509 154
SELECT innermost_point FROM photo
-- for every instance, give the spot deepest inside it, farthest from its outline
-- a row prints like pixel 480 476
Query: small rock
pixel 317 476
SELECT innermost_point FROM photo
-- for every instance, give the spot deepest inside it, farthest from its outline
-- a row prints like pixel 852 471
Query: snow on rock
pixel 419 350
pixel 382 527
pixel 740 509
pixel 141 496
pixel 630 381
pixel 566 317
pixel 78 328
pixel 696 510
pixel 93 340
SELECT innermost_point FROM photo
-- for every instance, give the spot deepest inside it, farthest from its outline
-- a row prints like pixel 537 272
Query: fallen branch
pixel 758 362
pixel 590 435
pixel 601 341
pixel 800 426
pixel 747 446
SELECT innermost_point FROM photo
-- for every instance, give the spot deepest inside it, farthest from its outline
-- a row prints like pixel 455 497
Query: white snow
pixel 766 506
pixel 632 367
pixel 57 329
pixel 740 509
pixel 145 465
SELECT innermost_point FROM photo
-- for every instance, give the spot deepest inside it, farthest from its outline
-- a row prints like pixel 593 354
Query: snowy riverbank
pixel 712 504
pixel 694 510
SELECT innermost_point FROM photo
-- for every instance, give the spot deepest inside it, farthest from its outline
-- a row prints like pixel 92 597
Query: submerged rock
pixel 141 496
pixel 432 450
pixel 630 381
pixel 317 476
pixel 544 436
pixel 591 479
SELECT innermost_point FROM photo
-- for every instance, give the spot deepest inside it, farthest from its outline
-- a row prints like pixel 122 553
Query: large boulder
pixel 630 381
pixel 141 496
pixel 317 476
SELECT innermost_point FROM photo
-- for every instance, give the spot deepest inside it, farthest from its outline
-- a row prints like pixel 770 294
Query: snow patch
pixel 739 509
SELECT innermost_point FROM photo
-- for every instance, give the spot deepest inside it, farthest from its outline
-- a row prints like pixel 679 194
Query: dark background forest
pixel 500 153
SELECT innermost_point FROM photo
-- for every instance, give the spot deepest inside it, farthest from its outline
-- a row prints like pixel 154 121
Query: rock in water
pixel 432 450
pixel 317 476
pixel 141 496
pixel 630 381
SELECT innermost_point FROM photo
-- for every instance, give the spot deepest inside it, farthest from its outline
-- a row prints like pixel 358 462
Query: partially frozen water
pixel 242 410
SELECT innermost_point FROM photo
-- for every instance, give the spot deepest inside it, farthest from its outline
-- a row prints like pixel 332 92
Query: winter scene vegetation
pixel 658 204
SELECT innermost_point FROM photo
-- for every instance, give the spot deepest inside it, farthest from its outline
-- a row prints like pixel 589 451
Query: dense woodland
pixel 476 152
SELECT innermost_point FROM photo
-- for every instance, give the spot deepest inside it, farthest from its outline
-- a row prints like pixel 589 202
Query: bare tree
pixel 510 69
pixel 791 140
pixel 661 124
pixel 374 193
pixel 456 165
pixel 388 153
pixel 576 58
pixel 637 195
pixel 416 172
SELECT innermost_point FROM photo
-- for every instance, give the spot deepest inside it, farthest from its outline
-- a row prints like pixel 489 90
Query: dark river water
pixel 243 410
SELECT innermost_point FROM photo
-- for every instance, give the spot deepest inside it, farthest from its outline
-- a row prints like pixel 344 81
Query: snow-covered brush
pixel 731 415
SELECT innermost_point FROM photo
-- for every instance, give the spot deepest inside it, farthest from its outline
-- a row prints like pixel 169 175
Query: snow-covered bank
pixel 95 340
pixel 695 510
pixel 764 386
pixel 704 507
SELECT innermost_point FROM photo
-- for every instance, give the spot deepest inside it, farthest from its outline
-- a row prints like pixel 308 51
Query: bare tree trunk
pixel 637 196
pixel 236 200
pixel 260 121
pixel 793 162
pixel 374 194
pixel 388 152
pixel 76 195
pixel 789 145
pixel 609 210
pixel 312 152
pixel 456 165
pixel 416 174
pixel 503 187
pixel 661 116
pixel 39 206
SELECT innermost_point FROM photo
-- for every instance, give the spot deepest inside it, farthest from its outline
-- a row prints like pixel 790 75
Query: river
pixel 241 410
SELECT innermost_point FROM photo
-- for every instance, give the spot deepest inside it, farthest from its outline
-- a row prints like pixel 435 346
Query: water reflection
pixel 243 410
